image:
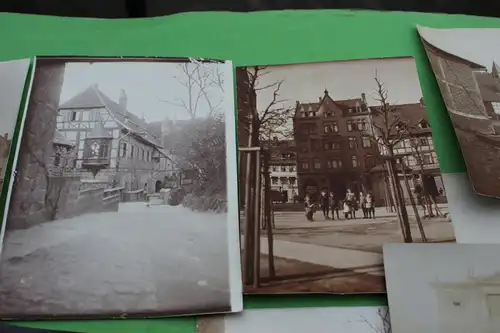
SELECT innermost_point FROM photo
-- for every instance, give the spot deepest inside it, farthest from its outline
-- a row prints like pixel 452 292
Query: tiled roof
pixel 410 114
pixel 488 86
pixel 92 97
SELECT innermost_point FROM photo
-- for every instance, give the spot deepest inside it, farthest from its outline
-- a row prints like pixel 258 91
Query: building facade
pixel 337 149
pixel 333 150
pixel 283 170
pixel 470 96
pixel 4 153
pixel 113 146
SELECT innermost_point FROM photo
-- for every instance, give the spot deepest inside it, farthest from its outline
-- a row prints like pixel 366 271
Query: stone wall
pixel 27 205
pixel 62 197
pixel 138 195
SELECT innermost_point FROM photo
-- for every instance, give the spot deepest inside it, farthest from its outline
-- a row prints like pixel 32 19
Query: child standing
pixel 347 210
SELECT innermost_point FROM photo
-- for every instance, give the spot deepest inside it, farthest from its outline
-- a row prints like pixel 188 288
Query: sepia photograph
pixel 335 159
pixel 466 64
pixel 120 206
pixel 372 319
pixel 14 76
pixel 443 288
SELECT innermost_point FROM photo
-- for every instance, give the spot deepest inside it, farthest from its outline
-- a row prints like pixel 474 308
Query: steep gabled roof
pixel 92 97
pixel 489 87
pixel 343 105
pixel 411 115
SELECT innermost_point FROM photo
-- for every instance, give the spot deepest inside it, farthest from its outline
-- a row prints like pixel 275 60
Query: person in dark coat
pixel 324 201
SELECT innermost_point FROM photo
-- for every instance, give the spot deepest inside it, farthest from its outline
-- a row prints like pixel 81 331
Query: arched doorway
pixel 158 186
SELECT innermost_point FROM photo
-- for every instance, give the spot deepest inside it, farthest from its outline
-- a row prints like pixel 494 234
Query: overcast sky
pixel 481 46
pixel 410 268
pixel 145 84
pixel 300 320
pixel 13 76
pixel 343 80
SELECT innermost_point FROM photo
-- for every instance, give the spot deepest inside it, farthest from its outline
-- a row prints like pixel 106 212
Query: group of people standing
pixel 349 204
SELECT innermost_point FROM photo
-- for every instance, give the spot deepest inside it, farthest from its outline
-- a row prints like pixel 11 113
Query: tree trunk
pixel 249 245
pixel 399 202
pixel 257 212
pixel 414 206
pixel 268 217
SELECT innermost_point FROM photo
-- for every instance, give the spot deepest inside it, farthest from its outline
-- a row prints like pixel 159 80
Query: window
pixel 274 168
pixel 427 159
pixel 331 128
pixel 147 157
pixel 317 164
pixel 352 142
pixel 73 116
pixel 354 161
pixel 104 151
pixel 143 154
pixel 274 180
pixel 283 168
pixel 496 108
pixel 328 114
pixel 349 125
pixel 292 180
pixel 292 169
pixel 132 151
pixel 334 164
pixel 366 142
pixel 360 126
pixel 284 180
pixel 304 165
pixel 423 142
pixel 331 145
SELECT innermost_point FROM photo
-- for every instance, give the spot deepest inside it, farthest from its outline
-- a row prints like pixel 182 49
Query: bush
pixel 206 203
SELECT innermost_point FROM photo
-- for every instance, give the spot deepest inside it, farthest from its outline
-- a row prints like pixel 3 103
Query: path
pixel 139 259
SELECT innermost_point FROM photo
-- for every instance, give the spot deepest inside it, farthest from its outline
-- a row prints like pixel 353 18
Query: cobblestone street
pixel 141 259
pixel 359 234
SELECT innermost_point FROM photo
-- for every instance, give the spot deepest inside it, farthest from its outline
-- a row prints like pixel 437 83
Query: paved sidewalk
pixel 358 261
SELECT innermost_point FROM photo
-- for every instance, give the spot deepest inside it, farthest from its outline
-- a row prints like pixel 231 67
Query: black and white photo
pixel 121 203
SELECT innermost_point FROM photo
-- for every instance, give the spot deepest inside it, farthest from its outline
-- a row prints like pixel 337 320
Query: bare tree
pixel 388 130
pixel 384 326
pixel 199 79
pixel 262 124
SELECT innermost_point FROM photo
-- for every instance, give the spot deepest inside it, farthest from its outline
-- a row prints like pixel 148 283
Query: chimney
pixel 123 99
pixel 421 101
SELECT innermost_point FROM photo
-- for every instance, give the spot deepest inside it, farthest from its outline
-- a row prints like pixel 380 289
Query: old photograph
pixel 300 320
pixel 14 77
pixel 443 288
pixel 336 159
pixel 466 66
pixel 120 203
pixel 475 217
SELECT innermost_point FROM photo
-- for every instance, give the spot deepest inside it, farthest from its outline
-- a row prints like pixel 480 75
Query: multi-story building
pixel 470 95
pixel 333 150
pixel 112 145
pixel 337 150
pixel 283 170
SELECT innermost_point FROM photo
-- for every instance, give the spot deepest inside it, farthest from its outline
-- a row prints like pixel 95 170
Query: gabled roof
pixel 488 86
pixel 411 114
pixel 343 105
pixel 92 97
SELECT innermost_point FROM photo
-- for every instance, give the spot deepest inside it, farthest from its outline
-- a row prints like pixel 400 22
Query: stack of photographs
pixel 140 187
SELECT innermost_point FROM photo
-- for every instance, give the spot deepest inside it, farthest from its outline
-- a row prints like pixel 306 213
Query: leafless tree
pixel 384 326
pixel 200 80
pixel 388 130
pixel 262 124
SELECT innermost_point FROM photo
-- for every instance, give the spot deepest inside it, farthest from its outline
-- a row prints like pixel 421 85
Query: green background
pixel 280 37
